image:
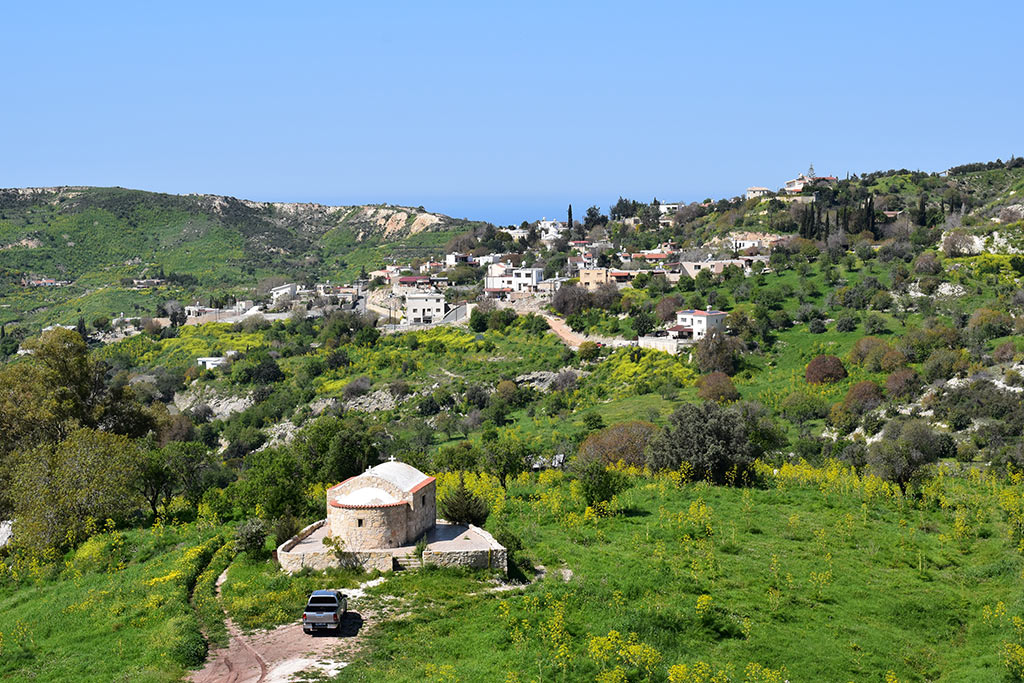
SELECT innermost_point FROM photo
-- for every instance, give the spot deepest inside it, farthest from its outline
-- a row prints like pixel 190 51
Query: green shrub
pixel 187 646
pixel 251 536
pixel 598 482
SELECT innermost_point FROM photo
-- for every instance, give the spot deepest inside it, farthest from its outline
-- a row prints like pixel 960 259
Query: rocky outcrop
pixel 280 434
pixel 223 405
pixel 542 380
pixel 1011 213
pixel 382 399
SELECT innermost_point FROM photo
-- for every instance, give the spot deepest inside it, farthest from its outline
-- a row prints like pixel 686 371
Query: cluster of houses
pixel 794 189
pixel 420 289
pixel 43 282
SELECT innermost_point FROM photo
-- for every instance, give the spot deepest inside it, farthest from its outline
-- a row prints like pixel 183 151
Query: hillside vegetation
pixel 94 237
pixel 828 488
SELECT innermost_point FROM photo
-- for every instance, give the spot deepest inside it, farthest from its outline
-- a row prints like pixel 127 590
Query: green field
pixel 814 574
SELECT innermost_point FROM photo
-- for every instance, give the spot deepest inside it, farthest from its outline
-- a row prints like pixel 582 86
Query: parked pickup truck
pixel 324 611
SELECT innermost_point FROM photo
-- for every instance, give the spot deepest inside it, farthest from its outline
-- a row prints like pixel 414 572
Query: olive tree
pixel 713 439
pixel 906 449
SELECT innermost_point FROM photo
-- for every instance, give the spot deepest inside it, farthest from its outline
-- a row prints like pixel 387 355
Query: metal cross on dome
pixel 391 459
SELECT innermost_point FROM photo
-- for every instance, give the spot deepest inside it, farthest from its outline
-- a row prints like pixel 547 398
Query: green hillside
pixel 95 237
pixel 828 488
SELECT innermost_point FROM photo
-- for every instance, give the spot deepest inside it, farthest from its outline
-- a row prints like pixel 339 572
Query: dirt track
pixel 277 655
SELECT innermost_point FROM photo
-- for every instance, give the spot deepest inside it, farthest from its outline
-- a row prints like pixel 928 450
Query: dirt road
pixel 574 339
pixel 278 655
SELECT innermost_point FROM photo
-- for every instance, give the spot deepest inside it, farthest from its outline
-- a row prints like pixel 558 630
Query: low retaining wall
pixel 293 562
pixel 666 344
pixel 495 556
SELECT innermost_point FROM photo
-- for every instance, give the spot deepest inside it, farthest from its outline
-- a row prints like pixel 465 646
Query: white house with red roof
pixel 696 324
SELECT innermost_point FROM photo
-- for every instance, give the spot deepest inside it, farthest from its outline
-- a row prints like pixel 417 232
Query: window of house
pixel 359 522
pixel 423 500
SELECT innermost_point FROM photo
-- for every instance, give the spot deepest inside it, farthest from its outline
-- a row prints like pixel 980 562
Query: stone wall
pixel 423 513
pixel 666 344
pixel 367 528
pixel 293 562
pixel 495 556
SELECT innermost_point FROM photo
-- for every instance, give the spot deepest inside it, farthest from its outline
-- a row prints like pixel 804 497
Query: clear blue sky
pixel 500 111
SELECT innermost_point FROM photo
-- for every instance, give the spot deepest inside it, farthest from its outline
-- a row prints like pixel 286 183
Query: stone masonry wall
pixel 493 557
pixel 292 562
pixel 423 514
pixel 382 527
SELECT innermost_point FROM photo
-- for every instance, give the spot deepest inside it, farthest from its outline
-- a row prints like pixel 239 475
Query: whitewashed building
pixel 422 308
pixel 504 277
pixel 696 324
pixel 283 292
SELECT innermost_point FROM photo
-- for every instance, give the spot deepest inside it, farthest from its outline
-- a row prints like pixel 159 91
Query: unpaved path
pixel 278 655
pixel 558 326
pixel 574 339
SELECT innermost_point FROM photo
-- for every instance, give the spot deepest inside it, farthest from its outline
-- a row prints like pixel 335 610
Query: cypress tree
pixel 570 216
pixel 870 210
pixel 460 506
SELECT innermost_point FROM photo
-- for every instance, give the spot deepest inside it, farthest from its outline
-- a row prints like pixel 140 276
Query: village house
pixel 197 310
pixel 797 185
pixel 431 267
pixel 742 240
pixel 649 256
pixel 551 285
pixel 716 266
pixel 457 259
pixel 424 308
pixel 281 292
pixel 575 263
pixel 488 259
pixel 755 192
pixel 592 278
pixel 668 208
pixel 590 259
pixel 501 276
pixel 550 229
pixel 411 282
pixel 43 282
pixel 695 324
